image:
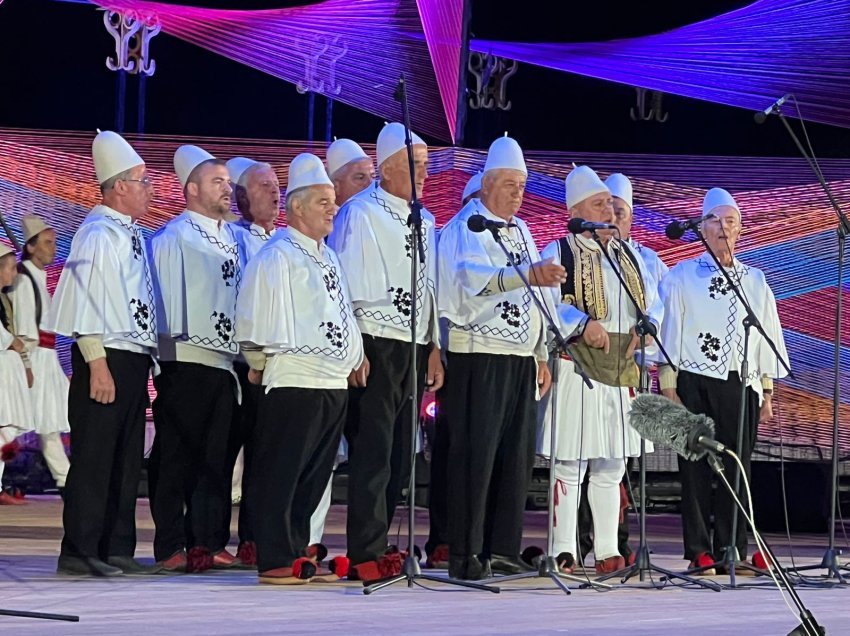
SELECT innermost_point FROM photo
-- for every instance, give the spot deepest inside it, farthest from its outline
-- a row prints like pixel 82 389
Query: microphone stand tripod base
pixel 547 567
pixel 411 573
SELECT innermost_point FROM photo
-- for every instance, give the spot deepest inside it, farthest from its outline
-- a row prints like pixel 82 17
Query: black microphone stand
pixel 411 572
pixel 830 560
pixel 808 626
pixel 547 565
pixel 643 566
pixel 731 558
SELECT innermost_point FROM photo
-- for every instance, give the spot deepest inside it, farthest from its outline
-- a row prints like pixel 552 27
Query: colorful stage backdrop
pixel 789 228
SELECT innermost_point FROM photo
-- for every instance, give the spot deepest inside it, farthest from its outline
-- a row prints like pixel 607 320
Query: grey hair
pixel 111 181
pixel 243 178
pixel 296 195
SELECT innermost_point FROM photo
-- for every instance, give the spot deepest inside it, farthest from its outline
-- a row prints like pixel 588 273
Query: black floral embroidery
pixel 223 325
pixel 401 300
pixel 408 245
pixel 141 313
pixel 517 258
pixel 709 345
pixel 333 332
pixel 137 247
pixel 228 271
pixel 510 313
pixel 331 280
pixel 719 285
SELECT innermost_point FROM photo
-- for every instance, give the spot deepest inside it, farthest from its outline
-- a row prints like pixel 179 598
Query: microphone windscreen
pixel 476 223
pixel 661 421
pixel 575 225
pixel 674 231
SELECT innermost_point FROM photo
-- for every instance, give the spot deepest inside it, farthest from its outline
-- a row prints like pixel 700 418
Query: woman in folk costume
pixel 297 329
pixel 15 404
pixel 704 335
pixel 104 301
pixel 31 301
pixel 197 276
pixel 593 429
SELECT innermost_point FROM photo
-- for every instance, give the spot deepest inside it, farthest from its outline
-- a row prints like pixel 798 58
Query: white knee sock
pixel 54 455
pixel 567 489
pixel 603 495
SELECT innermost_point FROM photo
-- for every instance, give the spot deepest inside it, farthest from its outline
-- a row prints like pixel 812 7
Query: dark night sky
pixel 52 68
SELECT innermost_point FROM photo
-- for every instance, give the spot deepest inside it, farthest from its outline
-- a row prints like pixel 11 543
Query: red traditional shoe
pixel 611 564
pixel 703 559
pixel 247 554
pixel 439 558
pixel 762 561
pixel 566 563
pixel 316 552
pixel 301 572
pixel 223 560
pixel 8 500
pixel 199 560
pixel 371 571
pixel 337 569
pixel 175 563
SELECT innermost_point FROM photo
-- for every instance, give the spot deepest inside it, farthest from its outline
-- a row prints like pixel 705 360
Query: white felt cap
pixel 620 187
pixel 342 152
pixel 306 170
pixel 472 186
pixel 112 155
pixel 716 197
pixel 5 249
pixel 237 167
pixel 505 154
pixel 391 140
pixel 33 225
pixel 186 159
pixel 582 183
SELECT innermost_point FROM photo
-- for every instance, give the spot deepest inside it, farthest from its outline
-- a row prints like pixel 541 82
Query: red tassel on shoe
pixel 340 566
pixel 531 555
pixel 762 561
pixel 303 568
pixel 10 450
pixel 247 553
pixel 390 565
pixel 199 559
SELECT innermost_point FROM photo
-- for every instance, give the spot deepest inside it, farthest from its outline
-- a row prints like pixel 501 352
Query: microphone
pixel 661 421
pixel 676 229
pixel 479 223
pixel 764 114
pixel 577 226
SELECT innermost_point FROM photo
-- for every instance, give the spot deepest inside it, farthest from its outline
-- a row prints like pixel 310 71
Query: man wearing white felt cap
pixel 704 334
pixel 375 247
pixel 198 272
pixel 593 432
pixel 257 193
pixel 496 361
pixel 31 300
pixel 104 300
pixel 350 169
pixel 298 332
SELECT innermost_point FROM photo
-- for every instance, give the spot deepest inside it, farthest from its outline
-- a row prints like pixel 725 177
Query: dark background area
pixel 53 76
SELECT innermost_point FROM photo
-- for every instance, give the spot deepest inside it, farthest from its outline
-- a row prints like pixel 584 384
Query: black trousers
pixel 295 444
pixel 438 487
pixel 107 447
pixel 378 432
pixel 720 400
pixel 188 478
pixel 241 437
pixel 492 412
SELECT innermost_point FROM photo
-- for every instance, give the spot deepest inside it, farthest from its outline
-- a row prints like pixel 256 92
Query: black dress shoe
pixel 507 565
pixel 129 565
pixel 457 567
pixel 85 566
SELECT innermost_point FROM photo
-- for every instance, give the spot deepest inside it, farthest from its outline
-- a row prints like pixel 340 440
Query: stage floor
pixel 233 603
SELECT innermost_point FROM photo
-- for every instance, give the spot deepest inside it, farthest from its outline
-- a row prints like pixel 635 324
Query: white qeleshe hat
pixel 237 167
pixel 33 226
pixel 304 171
pixel 186 159
pixel 472 186
pixel 620 187
pixel 391 140
pixel 5 250
pixel 341 153
pixel 112 155
pixel 582 183
pixel 716 197
pixel 505 154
